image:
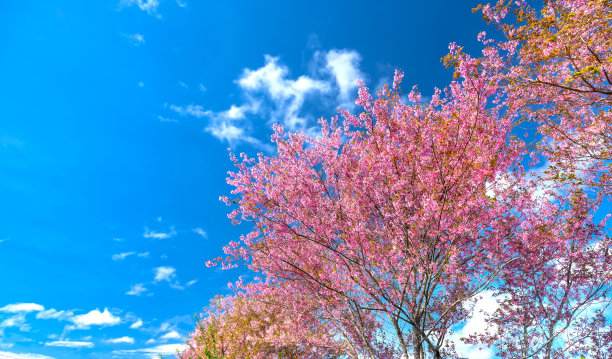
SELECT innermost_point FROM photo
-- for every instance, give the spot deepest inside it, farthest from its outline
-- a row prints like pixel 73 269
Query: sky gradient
pixel 115 120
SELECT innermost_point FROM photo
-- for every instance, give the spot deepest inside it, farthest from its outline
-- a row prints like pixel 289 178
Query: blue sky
pixel 115 119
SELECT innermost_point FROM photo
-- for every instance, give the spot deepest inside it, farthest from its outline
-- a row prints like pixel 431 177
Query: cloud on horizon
pixel 69 344
pixel 10 355
pixel 153 352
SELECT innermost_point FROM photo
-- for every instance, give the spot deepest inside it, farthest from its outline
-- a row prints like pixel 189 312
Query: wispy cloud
pixel 149 6
pixel 122 256
pixel 196 111
pixel 154 352
pixel 122 340
pixel 191 282
pixel 22 307
pixel 9 355
pixel 344 67
pixel 199 231
pixel 137 324
pixel 16 321
pixel 170 335
pixel 159 235
pixel 287 94
pixel 135 39
pixel 164 274
pixel 167 119
pixel 69 344
pixel 95 317
pixel 55 314
pixel 181 3
pixel 136 289
pixel 270 92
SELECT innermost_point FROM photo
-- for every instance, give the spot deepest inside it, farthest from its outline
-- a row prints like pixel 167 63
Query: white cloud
pixel 16 321
pixel 159 235
pixel 202 233
pixel 150 6
pixel 236 112
pixel 137 324
pixel 143 255
pixel 95 317
pixel 181 3
pixel 225 130
pixel 271 93
pixel 54 314
pixel 344 66
pixel 118 239
pixel 476 324
pixel 122 256
pixel 135 39
pixel 177 285
pixel 124 340
pixel 191 110
pixel 164 273
pixel 191 282
pixel 22 307
pixel 202 88
pixel 9 355
pixel 170 335
pixel 287 95
pixel 154 352
pixel 223 125
pixel 136 289
pixel 69 344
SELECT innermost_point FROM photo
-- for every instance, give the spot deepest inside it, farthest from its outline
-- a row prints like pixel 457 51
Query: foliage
pixel 375 237
pixel 561 78
pixel 253 325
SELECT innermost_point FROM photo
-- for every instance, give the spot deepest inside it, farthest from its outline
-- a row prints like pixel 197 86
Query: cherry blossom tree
pixel 554 298
pixel 260 322
pixel 374 237
pixel 561 79
pixel 386 220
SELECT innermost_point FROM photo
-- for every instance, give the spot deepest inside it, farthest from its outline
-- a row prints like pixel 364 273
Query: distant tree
pixel 251 324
